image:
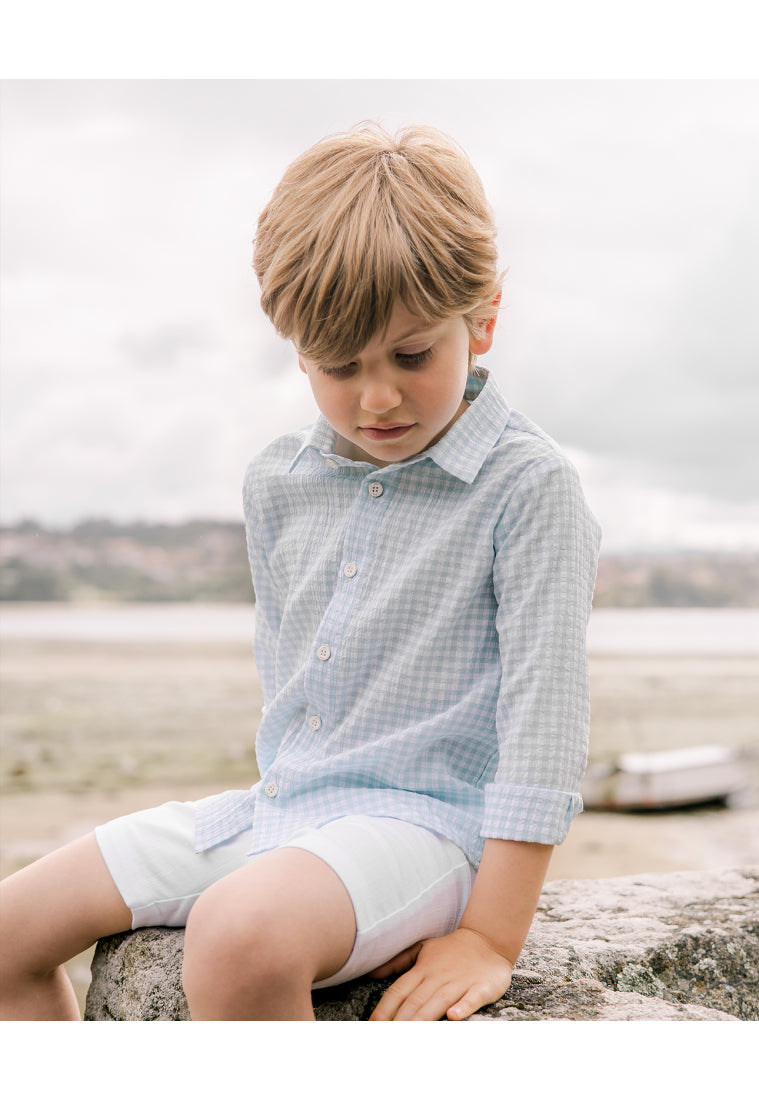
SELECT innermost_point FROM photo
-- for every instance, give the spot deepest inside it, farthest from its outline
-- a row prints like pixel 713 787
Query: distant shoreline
pixel 612 631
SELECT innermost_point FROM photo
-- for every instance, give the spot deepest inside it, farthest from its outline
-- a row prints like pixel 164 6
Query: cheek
pixel 332 401
pixel 447 387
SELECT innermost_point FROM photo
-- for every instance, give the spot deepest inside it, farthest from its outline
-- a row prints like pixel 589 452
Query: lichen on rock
pixel 635 978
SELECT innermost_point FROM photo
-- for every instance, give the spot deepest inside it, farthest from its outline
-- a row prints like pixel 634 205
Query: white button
pixel 272 790
pixel 376 489
pixel 324 653
pixel 351 569
pixel 315 722
pixel 331 463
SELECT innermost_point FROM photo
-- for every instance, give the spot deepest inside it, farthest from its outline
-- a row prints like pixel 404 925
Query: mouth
pixel 380 432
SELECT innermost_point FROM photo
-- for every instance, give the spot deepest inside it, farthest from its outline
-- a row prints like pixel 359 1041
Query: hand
pixel 451 976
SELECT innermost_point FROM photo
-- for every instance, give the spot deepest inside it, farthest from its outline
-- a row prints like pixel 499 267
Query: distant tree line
pixel 206 561
pixel 678 580
pixel 197 561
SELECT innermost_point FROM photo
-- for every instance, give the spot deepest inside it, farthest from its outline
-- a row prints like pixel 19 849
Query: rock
pixel 681 946
pixel 138 976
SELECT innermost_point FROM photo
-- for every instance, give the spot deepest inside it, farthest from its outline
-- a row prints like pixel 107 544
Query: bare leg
pixel 257 939
pixel 49 912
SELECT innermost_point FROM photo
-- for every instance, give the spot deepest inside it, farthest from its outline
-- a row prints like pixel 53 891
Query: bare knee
pixel 257 940
pixel 237 956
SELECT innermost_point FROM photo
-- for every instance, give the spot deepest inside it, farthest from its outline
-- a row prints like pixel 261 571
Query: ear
pixel 302 365
pixel 482 342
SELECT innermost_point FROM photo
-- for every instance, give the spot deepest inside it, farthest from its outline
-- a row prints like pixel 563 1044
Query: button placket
pixel 358 540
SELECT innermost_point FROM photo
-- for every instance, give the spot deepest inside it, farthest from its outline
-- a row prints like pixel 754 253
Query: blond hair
pixel 362 220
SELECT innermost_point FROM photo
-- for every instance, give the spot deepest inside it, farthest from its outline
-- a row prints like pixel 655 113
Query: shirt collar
pixel 467 443
pixel 462 450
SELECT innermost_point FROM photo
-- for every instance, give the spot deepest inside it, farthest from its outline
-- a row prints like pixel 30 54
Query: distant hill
pixel 206 560
pixel 695 579
pixel 199 561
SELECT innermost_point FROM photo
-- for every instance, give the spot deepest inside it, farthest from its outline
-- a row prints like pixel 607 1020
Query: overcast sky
pixel 139 376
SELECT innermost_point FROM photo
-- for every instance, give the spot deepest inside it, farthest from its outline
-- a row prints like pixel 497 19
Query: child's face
pixel 402 392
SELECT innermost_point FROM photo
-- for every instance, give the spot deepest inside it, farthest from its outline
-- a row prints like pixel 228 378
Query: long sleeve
pixel 544 572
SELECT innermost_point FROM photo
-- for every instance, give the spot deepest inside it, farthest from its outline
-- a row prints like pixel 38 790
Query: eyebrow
pixel 419 331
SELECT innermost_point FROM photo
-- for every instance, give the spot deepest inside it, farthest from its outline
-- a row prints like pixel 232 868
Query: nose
pixel 380 395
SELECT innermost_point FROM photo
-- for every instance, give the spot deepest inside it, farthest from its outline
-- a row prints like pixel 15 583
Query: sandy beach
pixel 91 730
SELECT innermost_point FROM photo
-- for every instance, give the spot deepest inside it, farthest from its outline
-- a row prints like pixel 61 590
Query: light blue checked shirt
pixel 420 635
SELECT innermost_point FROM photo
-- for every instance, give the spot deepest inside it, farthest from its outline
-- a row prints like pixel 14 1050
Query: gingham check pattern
pixel 420 635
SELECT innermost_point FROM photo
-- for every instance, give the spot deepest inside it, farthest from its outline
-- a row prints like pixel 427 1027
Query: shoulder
pixel 271 464
pixel 279 453
pixel 524 453
pixel 538 484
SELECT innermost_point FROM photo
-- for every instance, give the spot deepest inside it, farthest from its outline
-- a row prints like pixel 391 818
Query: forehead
pixel 402 325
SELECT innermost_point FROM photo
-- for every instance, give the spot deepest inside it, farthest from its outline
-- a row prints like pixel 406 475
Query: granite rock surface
pixel 681 946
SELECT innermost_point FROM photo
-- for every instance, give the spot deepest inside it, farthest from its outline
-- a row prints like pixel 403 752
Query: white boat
pixel 660 780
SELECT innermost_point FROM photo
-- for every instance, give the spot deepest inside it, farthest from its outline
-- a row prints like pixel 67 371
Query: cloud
pixel 164 345
pixel 639 513
pixel 676 396
pixel 139 375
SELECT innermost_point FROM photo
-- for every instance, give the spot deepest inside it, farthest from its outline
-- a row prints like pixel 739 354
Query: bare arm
pixel 457 974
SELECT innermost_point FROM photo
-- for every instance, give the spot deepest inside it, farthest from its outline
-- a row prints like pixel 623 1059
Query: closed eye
pixel 344 371
pixel 409 360
pixel 413 360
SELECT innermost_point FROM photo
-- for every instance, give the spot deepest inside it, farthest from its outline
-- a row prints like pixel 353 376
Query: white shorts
pixel 405 882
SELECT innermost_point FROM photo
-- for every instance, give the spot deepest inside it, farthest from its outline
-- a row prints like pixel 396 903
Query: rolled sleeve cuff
pixel 533 814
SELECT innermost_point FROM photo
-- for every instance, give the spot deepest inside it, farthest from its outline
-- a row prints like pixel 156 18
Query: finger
pixel 464 1007
pixel 394 996
pixel 474 998
pixel 429 1001
pixel 398 964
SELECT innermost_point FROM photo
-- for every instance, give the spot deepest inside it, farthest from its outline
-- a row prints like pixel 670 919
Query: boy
pixel 423 561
